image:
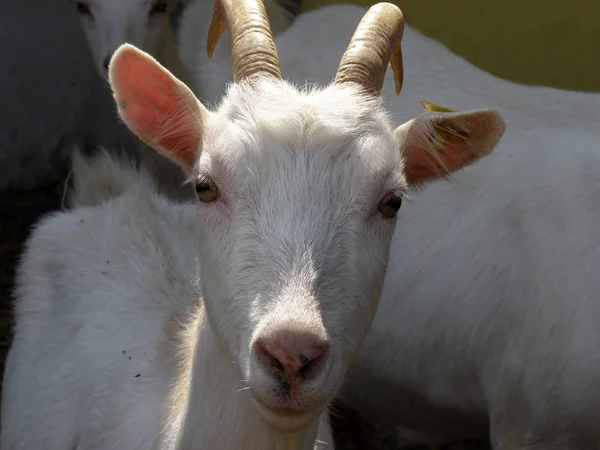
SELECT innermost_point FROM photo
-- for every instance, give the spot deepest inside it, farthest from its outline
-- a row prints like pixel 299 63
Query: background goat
pixel 146 24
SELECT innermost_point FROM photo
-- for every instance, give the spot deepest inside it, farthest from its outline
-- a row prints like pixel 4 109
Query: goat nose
pixel 292 354
pixel 106 62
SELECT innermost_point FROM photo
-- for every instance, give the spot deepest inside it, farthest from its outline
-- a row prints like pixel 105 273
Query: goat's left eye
pixel 159 8
pixel 390 205
pixel 207 190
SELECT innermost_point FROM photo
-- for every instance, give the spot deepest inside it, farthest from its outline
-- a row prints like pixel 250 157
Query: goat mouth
pixel 287 419
pixel 284 416
pixel 286 412
pixel 281 402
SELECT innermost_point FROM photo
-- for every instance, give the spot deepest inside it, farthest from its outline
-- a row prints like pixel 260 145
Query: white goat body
pixel 489 311
pixel 111 330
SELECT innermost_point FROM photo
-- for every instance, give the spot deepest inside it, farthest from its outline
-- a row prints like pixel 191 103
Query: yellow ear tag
pixel 432 107
pixel 438 140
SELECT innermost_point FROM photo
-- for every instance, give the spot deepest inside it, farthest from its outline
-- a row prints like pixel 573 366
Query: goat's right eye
pixel 207 190
pixel 390 205
pixel 83 9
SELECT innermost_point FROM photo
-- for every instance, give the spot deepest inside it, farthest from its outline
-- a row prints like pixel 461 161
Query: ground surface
pixel 20 210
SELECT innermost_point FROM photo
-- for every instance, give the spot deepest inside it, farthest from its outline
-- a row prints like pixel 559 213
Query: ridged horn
pixel 375 43
pixel 253 51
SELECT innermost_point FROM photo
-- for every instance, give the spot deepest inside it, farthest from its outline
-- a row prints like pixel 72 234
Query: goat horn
pixel 253 51
pixel 375 42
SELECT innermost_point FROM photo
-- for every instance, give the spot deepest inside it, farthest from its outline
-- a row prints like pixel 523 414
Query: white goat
pixel 490 308
pixel 145 24
pixel 298 193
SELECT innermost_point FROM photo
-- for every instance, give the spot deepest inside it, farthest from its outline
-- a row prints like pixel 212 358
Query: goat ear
pixel 436 144
pixel 161 110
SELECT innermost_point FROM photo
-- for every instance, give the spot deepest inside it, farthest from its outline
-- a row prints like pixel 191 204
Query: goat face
pixel 108 24
pixel 298 193
pixel 295 243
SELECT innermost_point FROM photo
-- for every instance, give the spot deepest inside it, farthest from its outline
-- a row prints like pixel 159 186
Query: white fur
pixel 108 291
pixel 100 178
pixel 490 307
pixel 296 242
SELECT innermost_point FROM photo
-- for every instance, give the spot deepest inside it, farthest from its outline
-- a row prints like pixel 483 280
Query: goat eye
pixel 207 190
pixel 83 9
pixel 159 8
pixel 390 204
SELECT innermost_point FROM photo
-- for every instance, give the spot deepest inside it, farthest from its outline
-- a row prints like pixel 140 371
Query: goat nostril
pixel 280 356
pixel 269 361
pixel 106 62
pixel 311 367
pixel 274 363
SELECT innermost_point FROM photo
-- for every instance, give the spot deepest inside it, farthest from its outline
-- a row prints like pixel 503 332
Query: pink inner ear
pixel 425 162
pixel 155 106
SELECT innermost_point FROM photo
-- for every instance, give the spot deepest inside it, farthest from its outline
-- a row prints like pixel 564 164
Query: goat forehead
pixel 269 101
pixel 276 133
